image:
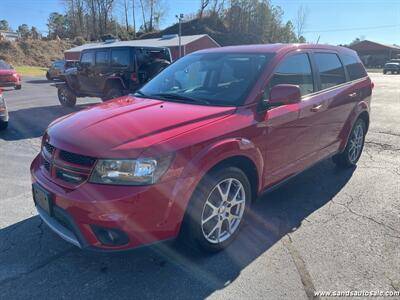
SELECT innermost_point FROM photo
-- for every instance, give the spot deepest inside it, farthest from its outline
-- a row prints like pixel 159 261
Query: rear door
pixel 337 94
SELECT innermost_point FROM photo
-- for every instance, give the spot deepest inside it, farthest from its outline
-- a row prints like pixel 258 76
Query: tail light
pixel 372 85
pixel 134 77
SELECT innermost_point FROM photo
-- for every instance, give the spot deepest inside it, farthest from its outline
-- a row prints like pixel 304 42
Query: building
pixel 8 36
pixel 375 55
pixel 189 43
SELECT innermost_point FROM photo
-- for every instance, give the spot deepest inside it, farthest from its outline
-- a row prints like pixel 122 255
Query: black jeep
pixel 111 70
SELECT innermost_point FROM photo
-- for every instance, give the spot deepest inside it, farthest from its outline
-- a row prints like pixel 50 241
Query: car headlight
pixel 142 171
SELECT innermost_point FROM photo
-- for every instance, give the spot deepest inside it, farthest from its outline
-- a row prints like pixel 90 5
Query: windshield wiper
pixel 141 94
pixel 180 97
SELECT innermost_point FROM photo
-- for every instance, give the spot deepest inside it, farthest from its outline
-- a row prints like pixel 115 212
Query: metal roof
pixel 165 41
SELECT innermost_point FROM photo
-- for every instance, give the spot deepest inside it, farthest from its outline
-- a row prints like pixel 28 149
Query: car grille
pixel 67 168
pixel 77 158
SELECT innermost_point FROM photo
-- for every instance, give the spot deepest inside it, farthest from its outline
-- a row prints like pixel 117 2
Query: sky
pixel 332 21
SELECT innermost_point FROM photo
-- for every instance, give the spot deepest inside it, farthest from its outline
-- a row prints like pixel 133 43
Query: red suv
pixel 191 150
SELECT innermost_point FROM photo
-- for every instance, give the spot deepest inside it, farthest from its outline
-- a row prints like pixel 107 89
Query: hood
pixel 124 127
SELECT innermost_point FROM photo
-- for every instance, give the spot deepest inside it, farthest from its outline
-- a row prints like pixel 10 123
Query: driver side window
pixel 296 70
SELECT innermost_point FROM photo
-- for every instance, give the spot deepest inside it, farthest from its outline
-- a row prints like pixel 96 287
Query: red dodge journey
pixel 190 151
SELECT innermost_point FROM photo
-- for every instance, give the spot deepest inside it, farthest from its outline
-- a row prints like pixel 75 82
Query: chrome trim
pixel 63 232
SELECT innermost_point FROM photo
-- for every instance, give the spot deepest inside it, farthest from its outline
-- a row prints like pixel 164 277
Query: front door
pixel 292 131
pixel 86 72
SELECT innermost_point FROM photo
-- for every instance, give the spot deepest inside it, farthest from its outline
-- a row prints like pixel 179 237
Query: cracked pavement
pixel 327 229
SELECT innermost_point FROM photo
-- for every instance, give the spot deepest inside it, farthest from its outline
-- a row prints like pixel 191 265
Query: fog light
pixel 110 236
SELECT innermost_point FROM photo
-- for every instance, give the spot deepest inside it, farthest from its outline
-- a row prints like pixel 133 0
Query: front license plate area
pixel 42 198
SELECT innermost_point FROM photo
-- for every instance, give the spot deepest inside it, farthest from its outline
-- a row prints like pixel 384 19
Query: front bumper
pixel 140 212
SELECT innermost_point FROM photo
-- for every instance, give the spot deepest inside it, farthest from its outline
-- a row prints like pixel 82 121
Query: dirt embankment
pixel 33 52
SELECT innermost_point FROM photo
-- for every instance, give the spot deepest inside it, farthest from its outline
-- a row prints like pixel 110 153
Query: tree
pixel 23 31
pixel 4 25
pixel 35 34
pixel 203 6
pixel 301 20
pixel 57 25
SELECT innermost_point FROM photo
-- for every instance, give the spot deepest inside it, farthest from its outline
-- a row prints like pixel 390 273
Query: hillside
pixel 33 52
pixel 214 27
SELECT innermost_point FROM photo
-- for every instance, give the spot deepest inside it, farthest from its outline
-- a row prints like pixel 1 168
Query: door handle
pixel 316 108
pixel 353 95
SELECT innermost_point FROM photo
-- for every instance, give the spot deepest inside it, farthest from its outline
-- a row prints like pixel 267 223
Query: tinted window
pixel 295 69
pixel 87 58
pixel 102 58
pixel 330 69
pixel 120 58
pixel 354 67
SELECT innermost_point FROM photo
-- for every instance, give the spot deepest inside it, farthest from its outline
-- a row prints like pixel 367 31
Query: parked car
pixel 3 112
pixel 58 68
pixel 392 67
pixel 111 70
pixel 189 152
pixel 9 77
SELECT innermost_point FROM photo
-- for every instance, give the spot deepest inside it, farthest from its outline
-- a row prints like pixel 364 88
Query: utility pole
pixel 180 18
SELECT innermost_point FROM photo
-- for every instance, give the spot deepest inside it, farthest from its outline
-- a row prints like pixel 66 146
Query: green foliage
pixel 4 25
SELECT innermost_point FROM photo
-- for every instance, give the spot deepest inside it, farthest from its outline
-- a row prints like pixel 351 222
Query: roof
pixel 366 43
pixel 273 48
pixel 166 41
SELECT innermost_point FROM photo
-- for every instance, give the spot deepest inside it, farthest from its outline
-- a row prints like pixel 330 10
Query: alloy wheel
pixel 356 143
pixel 223 210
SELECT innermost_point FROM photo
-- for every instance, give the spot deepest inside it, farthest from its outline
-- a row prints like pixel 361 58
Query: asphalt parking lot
pixel 327 229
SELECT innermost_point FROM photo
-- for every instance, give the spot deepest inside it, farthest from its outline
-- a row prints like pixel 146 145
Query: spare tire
pixel 153 68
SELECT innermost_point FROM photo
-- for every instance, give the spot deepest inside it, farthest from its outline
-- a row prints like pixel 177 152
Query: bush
pixel 79 40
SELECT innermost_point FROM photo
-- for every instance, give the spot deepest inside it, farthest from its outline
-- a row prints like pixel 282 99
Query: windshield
pixel 208 78
pixel 4 65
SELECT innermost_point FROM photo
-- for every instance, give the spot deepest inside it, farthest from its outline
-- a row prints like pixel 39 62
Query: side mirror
pixel 282 94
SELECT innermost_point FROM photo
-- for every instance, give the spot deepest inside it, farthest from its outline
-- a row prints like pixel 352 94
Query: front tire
pixel 217 209
pixel 355 144
pixel 18 87
pixel 66 97
pixel 112 94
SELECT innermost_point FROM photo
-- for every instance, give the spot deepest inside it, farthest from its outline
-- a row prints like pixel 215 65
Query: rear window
pixel 120 58
pixel 354 67
pixel 330 68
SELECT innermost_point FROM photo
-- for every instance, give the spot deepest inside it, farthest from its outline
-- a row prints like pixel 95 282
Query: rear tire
pixel 354 147
pixel 217 210
pixel 48 77
pixel 384 71
pixel 3 125
pixel 66 97
pixel 18 87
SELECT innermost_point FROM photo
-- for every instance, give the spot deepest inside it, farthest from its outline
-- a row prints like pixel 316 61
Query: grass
pixel 374 70
pixel 31 71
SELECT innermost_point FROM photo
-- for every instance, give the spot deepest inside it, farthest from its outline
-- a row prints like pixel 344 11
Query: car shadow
pixel 32 122
pixel 38 81
pixel 168 270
